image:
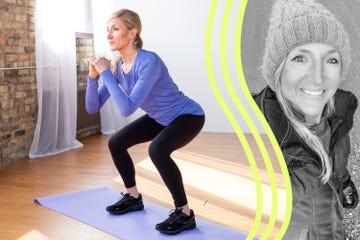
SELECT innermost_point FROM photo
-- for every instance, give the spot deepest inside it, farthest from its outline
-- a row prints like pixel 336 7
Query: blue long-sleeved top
pixel 148 86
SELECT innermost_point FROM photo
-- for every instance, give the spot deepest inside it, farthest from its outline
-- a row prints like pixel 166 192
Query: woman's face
pixel 310 77
pixel 119 36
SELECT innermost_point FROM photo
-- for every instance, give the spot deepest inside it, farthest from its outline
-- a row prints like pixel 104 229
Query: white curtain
pixel 55 132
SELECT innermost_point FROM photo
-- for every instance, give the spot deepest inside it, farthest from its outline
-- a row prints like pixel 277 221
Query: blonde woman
pixel 307 56
pixel 140 79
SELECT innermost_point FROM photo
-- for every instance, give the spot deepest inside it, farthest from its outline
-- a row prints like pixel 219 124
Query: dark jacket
pixel 317 208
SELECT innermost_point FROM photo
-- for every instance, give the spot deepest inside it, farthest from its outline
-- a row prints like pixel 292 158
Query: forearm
pixel 95 96
pixel 92 102
pixel 149 72
pixel 125 103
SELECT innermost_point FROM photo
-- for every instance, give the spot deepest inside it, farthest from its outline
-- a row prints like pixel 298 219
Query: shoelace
pixel 123 196
pixel 174 215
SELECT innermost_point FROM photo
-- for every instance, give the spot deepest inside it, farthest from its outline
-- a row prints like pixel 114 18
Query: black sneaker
pixel 126 204
pixel 177 222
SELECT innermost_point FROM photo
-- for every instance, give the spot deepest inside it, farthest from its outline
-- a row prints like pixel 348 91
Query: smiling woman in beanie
pixel 307 57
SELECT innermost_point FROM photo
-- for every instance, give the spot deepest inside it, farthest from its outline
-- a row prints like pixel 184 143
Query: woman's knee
pixel 157 151
pixel 115 144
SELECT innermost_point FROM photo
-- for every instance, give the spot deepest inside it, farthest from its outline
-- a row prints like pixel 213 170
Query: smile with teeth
pixel 312 92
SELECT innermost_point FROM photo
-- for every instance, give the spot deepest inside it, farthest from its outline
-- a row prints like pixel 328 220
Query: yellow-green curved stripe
pixel 246 117
pixel 232 119
pixel 250 124
pixel 263 121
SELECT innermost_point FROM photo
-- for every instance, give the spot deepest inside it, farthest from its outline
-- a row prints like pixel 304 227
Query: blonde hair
pixel 302 128
pixel 131 20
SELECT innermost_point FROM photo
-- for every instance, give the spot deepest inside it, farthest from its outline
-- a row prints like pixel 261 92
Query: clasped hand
pixel 97 65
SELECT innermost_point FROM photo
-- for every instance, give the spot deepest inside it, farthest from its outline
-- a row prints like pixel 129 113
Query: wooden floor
pixel 91 166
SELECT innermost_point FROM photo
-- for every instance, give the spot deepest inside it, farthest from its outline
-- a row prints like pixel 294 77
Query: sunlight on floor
pixel 33 235
pixel 231 187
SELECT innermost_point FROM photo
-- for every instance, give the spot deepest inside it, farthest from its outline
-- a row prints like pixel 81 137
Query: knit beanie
pixel 297 22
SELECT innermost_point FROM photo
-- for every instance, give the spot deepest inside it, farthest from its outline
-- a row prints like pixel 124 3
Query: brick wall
pixel 18 91
pixel 84 50
pixel 86 124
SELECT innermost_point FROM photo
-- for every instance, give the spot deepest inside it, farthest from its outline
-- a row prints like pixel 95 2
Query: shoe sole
pixel 188 227
pixel 130 209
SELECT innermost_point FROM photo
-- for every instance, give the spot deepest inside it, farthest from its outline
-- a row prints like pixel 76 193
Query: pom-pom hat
pixel 297 22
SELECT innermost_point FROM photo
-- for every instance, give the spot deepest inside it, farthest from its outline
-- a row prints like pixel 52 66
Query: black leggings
pixel 166 139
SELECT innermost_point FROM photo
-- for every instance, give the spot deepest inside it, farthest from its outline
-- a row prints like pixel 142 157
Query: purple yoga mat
pixel 133 225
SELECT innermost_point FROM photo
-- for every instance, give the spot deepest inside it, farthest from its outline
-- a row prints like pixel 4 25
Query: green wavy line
pixel 249 122
pixel 264 123
pixel 232 119
pixel 258 138
pixel 240 107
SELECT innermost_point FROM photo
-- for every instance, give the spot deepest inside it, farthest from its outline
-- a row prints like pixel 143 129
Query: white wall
pixel 176 31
